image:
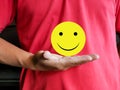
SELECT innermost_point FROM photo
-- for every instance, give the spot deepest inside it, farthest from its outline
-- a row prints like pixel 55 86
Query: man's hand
pixel 46 61
pixel 42 60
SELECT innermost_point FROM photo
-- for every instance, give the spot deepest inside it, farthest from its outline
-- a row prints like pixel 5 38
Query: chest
pixel 41 7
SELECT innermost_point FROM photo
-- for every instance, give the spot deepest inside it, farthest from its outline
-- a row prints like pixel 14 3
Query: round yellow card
pixel 68 38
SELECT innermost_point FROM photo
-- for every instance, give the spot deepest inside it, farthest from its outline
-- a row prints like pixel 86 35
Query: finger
pixel 51 56
pixel 89 57
pixel 76 60
pixel 94 56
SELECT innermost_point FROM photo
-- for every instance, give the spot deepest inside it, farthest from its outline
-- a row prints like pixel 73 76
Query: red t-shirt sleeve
pixel 7 13
pixel 118 15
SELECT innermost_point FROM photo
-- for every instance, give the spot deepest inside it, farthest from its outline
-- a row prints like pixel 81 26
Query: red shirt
pixel 35 21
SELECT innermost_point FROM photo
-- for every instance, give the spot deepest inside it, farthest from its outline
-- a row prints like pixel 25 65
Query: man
pixel 43 67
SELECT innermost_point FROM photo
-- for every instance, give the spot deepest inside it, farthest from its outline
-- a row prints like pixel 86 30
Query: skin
pixel 42 60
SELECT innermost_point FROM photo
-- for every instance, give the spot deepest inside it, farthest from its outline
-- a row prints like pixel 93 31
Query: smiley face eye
pixel 75 33
pixel 60 33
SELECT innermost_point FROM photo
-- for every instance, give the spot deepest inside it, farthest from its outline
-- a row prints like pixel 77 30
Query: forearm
pixel 42 60
pixel 12 55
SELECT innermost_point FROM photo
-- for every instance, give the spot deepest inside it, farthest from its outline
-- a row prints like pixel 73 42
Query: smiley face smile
pixel 68 49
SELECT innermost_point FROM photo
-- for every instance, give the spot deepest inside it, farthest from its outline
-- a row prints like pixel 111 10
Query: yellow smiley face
pixel 68 38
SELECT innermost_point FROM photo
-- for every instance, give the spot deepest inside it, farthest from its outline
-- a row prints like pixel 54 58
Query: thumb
pixel 38 56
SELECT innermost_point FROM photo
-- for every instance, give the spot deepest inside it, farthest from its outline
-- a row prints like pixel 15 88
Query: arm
pixel 42 60
pixel 12 55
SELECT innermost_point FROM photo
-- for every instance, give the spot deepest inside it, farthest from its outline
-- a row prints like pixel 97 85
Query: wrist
pixel 26 62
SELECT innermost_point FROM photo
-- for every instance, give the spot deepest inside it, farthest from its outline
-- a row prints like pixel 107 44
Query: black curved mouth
pixel 68 49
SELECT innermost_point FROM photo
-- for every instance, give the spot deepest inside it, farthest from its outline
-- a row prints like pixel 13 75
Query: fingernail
pixel 95 56
pixel 90 58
